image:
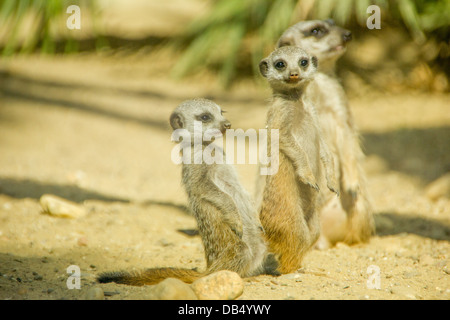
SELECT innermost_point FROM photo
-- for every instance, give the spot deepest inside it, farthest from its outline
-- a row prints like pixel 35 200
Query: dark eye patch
pixel 280 65
pixel 303 62
pixel 204 117
pixel 318 32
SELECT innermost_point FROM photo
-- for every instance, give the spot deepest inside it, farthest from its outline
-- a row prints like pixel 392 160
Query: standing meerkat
pixel 288 210
pixel 228 222
pixel 349 218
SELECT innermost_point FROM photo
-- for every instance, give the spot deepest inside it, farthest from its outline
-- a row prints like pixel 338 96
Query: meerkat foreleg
pixel 300 160
pixel 348 149
pixel 328 163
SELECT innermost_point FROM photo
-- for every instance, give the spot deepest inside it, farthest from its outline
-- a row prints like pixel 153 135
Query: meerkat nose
pixel 347 36
pixel 226 125
pixel 293 75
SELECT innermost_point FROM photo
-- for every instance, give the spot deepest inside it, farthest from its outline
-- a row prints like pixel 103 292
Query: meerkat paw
pixel 350 183
pixel 333 185
pixel 309 179
pixel 237 228
pixel 352 191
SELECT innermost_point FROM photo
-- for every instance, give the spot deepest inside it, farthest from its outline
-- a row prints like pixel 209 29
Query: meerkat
pixel 350 218
pixel 288 210
pixel 227 219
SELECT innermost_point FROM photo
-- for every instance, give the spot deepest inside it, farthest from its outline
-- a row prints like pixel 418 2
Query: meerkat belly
pixel 307 137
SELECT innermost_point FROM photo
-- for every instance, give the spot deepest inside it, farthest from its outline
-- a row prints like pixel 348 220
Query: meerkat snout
pixel 226 125
pixel 293 75
pixel 347 36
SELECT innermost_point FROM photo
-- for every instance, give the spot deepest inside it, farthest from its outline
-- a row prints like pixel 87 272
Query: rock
pixel 38 277
pixel 95 293
pixel 171 289
pixel 221 285
pixel 439 188
pixel 60 207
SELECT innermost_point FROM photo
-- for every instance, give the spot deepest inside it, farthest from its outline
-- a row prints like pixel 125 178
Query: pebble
pixel 82 242
pixel 38 277
pixel 171 289
pixel 290 276
pixel 221 285
pixel 95 293
pixel 60 207
pixel 164 242
pixel 439 188
pixel 411 274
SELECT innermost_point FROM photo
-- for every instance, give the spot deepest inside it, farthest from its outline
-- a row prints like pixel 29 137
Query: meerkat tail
pixel 149 276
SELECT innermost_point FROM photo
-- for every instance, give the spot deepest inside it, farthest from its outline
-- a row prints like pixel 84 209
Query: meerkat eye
pixel 304 62
pixel 317 32
pixel 280 65
pixel 204 117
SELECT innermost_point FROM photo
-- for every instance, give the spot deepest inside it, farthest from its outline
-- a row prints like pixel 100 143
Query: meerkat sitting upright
pixel 288 211
pixel 228 222
pixel 349 218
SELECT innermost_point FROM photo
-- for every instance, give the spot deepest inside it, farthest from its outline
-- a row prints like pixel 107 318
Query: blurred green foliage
pixel 231 36
pixel 234 27
pixel 27 25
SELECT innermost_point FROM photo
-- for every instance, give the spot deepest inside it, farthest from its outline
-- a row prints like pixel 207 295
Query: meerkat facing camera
pixel 288 210
pixel 226 217
pixel 350 218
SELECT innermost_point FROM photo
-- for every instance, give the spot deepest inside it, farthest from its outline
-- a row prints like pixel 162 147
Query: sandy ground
pixel 94 130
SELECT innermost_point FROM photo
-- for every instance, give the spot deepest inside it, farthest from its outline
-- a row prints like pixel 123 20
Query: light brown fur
pixel 288 207
pixel 350 218
pixel 227 220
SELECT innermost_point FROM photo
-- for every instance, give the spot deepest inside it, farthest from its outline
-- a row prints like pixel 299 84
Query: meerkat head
pixel 288 68
pixel 321 38
pixel 205 111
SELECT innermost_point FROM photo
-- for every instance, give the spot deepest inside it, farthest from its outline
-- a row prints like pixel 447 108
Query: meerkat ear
pixel 176 121
pixel 264 67
pixel 285 41
pixel 314 61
